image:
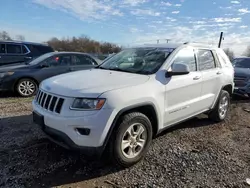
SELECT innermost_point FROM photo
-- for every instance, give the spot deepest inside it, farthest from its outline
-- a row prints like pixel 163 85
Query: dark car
pixel 242 76
pixel 25 78
pixel 18 52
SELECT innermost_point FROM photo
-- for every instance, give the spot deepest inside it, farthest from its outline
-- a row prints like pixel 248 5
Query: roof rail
pixel 24 42
pixel 198 44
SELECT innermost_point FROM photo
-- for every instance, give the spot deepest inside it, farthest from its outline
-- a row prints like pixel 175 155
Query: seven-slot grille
pixel 49 102
pixel 240 81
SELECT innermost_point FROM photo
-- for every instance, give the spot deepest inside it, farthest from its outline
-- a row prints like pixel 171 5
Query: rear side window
pixel 13 49
pixel 205 60
pixel 2 48
pixel 186 56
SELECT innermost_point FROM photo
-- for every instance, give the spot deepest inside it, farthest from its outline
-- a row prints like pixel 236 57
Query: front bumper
pixel 63 129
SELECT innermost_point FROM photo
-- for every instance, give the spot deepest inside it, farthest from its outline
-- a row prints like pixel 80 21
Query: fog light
pixel 83 131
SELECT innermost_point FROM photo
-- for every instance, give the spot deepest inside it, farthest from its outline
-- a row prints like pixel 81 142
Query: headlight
pixel 6 74
pixel 87 104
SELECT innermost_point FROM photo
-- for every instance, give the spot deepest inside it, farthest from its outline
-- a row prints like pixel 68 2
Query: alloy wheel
pixel 134 140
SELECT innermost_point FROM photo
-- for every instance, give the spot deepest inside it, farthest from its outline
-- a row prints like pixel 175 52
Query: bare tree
pixel 83 44
pixel 229 53
pixel 247 52
pixel 20 37
pixel 4 36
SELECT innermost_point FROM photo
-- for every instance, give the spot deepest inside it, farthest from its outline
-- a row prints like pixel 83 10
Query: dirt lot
pixel 197 153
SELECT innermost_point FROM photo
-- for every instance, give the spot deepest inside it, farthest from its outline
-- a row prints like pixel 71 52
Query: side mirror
pixel 178 69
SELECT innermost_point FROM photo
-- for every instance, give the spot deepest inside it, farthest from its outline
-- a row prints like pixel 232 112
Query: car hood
pixel 13 67
pixel 91 83
pixel 242 72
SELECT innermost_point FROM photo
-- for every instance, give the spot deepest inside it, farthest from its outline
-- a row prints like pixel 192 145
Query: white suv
pixel 119 106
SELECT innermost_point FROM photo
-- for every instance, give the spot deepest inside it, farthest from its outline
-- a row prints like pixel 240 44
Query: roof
pixel 23 42
pixel 174 45
pixel 166 45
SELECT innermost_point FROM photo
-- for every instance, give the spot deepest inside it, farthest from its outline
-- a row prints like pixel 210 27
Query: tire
pixel 26 87
pixel 216 114
pixel 115 151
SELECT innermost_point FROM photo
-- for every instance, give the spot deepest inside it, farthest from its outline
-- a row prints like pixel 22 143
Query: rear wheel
pixel 26 87
pixel 219 113
pixel 130 140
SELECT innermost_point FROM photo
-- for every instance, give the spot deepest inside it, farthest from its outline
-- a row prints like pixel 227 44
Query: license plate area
pixel 38 119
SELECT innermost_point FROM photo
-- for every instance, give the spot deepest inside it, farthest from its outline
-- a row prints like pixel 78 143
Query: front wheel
pixel 26 87
pixel 131 139
pixel 219 113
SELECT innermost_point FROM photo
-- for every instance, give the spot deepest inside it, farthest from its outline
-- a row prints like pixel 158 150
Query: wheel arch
pixel 228 88
pixel 147 108
pixel 24 77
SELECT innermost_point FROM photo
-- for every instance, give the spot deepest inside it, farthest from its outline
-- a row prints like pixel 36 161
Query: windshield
pixel 39 59
pixel 137 60
pixel 242 63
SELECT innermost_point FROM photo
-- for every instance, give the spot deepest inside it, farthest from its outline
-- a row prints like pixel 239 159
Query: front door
pixel 55 65
pixel 13 54
pixel 182 97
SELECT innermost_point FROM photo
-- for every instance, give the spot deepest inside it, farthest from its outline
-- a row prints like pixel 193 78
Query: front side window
pixel 13 49
pixel 186 56
pixel 138 60
pixel 2 48
pixel 205 60
pixel 58 60
pixel 82 60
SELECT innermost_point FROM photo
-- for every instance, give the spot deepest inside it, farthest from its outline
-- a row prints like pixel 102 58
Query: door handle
pixel 196 78
pixel 219 72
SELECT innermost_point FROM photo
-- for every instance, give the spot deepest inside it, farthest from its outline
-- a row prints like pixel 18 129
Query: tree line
pixel 77 44
pixel 88 45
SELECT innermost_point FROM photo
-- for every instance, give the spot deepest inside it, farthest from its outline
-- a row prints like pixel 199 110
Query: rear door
pixel 82 62
pixel 55 65
pixel 211 75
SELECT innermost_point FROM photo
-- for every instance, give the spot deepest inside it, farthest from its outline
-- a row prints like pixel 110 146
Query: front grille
pixel 49 102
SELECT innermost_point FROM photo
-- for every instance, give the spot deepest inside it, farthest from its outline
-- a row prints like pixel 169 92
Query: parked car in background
pixel 119 106
pixel 25 78
pixel 242 76
pixel 18 52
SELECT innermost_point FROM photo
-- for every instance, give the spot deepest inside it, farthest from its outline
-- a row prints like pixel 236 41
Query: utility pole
pixel 221 38
pixel 168 40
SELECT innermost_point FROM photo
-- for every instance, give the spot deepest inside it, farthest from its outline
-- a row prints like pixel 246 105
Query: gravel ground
pixel 197 153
